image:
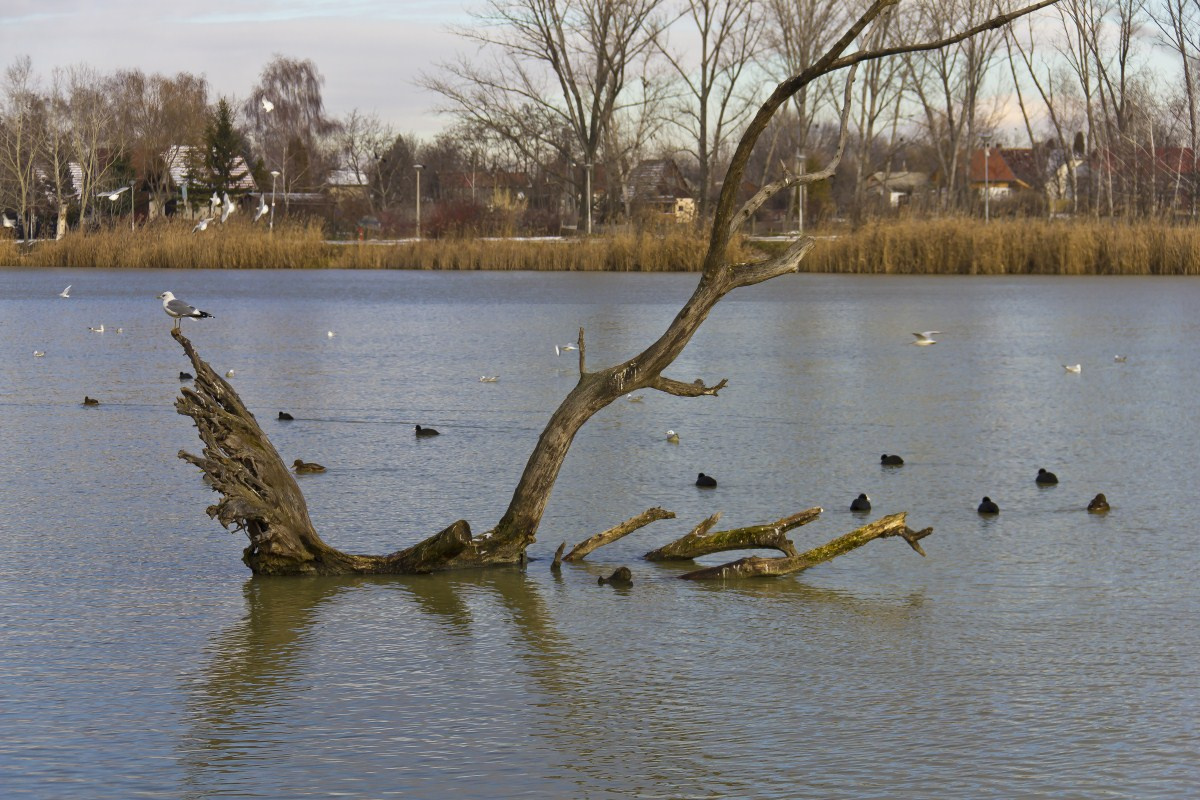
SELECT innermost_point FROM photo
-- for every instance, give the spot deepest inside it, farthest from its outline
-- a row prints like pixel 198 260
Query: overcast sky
pixel 370 51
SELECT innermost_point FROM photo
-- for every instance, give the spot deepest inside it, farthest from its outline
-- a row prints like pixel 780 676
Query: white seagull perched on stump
pixel 178 309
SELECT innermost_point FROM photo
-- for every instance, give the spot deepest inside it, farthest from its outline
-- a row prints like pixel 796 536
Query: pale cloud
pixel 370 52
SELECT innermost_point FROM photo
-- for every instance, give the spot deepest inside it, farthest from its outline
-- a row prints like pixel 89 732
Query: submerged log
pixel 755 566
pixel 618 532
pixel 699 542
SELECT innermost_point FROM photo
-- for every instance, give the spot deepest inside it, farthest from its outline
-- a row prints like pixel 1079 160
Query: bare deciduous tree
pixel 729 37
pixel 286 113
pixel 260 497
pixel 557 65
pixel 22 133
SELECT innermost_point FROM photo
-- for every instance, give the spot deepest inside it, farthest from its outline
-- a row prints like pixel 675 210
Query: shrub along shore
pixel 936 247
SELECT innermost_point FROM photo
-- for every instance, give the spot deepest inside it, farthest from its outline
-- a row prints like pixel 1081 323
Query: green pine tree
pixel 217 170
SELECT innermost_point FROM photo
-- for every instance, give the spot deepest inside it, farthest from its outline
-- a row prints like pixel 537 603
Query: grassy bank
pixel 1011 247
pixel 948 247
pixel 241 246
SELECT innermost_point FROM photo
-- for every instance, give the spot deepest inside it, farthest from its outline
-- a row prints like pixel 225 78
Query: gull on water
pixel 230 374
pixel 330 334
pixel 1120 359
pixel 97 330
pixel 202 225
pixel 1076 368
pixel 178 309
pixel 926 338
pixel 39 353
pixel 66 292
pixel 672 437
pixel 634 398
pixel 488 378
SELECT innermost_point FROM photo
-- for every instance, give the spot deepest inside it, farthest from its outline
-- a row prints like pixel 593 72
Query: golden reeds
pixel 1011 247
pixel 954 246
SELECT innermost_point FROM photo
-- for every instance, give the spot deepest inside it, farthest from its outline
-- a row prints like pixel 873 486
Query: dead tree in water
pixel 260 497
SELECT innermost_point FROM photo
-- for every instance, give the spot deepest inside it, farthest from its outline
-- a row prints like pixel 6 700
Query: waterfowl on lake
pixel 39 353
pixel 307 467
pixel 1045 477
pixel 425 431
pixel 1120 359
pixel 488 378
pixel 672 437
pixel 97 330
pixel 706 481
pixel 186 376
pixel 230 374
pixel 90 401
pixel 1076 368
pixel 988 506
pixel 861 503
pixel 285 415
pixel 566 348
pixel 891 461
pixel 1099 504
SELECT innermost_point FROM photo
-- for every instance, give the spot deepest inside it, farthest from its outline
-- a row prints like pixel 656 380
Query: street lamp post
pixel 418 168
pixel 800 164
pixel 987 193
pixel 588 196
pixel 271 224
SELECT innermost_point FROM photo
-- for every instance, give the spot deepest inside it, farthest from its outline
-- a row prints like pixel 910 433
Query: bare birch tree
pixel 22 133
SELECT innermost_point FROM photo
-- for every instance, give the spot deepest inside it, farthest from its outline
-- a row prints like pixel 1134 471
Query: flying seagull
pixel 227 207
pixel 214 201
pixel 566 348
pixel 267 105
pixel 9 222
pixel 261 211
pixel 178 309
pixel 202 225
pixel 925 338
pixel 113 195
pixel 65 292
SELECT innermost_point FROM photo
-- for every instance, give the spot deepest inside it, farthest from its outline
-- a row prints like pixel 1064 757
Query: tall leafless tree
pixel 554 65
pixel 715 102
pixel 286 113
pixel 22 133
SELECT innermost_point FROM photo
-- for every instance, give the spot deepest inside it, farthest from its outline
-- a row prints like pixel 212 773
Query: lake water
pixel 1044 652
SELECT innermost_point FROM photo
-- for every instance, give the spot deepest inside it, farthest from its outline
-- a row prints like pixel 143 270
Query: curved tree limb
pixel 618 532
pixel 892 525
pixel 699 542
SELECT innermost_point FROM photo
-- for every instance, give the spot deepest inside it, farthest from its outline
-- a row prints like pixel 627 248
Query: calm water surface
pixel 1045 652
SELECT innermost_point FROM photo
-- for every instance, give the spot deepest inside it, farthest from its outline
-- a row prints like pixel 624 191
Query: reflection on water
pixel 1043 652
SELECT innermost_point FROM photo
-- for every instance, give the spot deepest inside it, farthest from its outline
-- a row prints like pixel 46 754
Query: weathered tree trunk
pixel 699 542
pixel 755 566
pixel 619 532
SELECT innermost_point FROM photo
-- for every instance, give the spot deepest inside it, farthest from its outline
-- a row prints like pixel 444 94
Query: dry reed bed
pixel 242 246
pixel 947 247
pixel 1011 247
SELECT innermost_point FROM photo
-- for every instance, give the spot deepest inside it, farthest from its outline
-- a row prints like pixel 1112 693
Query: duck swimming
pixel 1099 504
pixel 891 461
pixel 1045 477
pixel 307 467
pixel 988 506
pixel 706 481
pixel 425 431
pixel 861 503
